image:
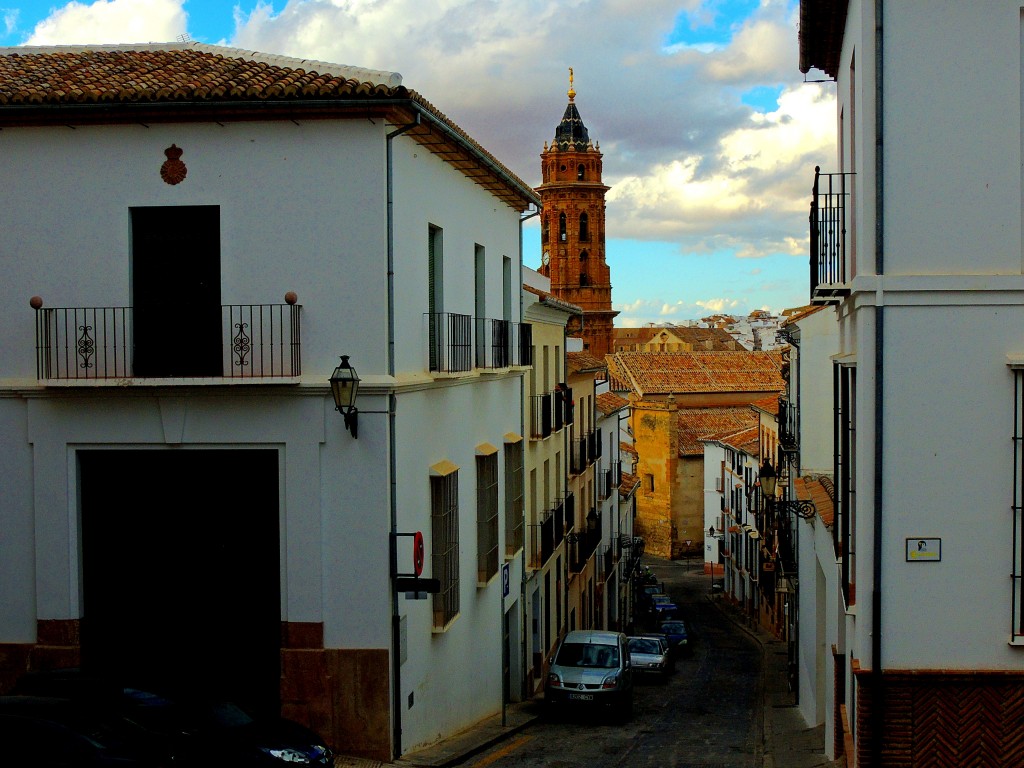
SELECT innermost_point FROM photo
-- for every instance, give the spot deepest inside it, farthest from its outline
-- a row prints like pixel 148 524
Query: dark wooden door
pixel 176 291
pixel 181 570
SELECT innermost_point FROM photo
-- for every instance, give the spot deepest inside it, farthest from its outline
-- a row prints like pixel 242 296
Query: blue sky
pixel 709 134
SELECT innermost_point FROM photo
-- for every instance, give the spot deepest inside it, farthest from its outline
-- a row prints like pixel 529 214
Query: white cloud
pixel 111 21
pixel 760 171
pixel 718 305
pixel 10 19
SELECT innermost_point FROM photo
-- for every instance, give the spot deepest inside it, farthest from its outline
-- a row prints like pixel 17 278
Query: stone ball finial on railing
pixel 36 302
pixel 291 297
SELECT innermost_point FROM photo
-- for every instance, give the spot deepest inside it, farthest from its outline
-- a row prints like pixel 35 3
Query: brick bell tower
pixel 572 227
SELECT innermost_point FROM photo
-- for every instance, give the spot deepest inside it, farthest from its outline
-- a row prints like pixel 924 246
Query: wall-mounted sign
pixel 924 550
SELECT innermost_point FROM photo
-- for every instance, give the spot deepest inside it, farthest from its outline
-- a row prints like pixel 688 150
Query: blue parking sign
pixel 505 579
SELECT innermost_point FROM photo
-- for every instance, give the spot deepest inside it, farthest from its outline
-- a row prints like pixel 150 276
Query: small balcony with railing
pixel 830 267
pixel 460 343
pixel 789 429
pixel 584 451
pixel 502 344
pixel 548 534
pixel 233 341
pixel 584 542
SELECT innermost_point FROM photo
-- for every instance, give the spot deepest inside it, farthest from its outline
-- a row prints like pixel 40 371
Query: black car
pixel 49 732
pixel 194 730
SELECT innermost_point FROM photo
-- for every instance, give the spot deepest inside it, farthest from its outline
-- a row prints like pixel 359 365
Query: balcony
pixel 503 343
pixel 584 451
pixel 829 275
pixel 789 425
pixel 609 480
pixel 584 543
pixel 450 342
pixel 98 343
pixel 541 410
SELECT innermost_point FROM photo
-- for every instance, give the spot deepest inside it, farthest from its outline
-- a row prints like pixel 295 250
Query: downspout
pixel 396 629
pixel 525 693
pixel 877 694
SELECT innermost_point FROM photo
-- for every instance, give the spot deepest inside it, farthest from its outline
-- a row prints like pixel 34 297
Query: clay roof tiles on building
pixel 552 301
pixel 697 424
pixel 701 372
pixel 767 404
pixel 609 402
pixel 582 362
pixel 190 81
pixel 629 484
pixel 817 490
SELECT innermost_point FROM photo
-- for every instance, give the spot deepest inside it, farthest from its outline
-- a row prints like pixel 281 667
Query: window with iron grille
pixel 486 516
pixel 444 560
pixel 513 498
pixel 1017 570
pixel 843 528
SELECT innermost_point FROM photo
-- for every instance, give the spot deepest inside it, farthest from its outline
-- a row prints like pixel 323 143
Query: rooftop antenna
pixel 184 38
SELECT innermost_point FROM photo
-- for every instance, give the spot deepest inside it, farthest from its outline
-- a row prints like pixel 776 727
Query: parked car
pixel 663 607
pixel 678 637
pixel 649 654
pixel 194 730
pixel 591 668
pixel 49 732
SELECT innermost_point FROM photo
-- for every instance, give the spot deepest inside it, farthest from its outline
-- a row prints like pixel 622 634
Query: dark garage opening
pixel 181 565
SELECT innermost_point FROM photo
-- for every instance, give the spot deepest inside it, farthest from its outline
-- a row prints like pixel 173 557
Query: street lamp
pixel 344 387
pixel 802 508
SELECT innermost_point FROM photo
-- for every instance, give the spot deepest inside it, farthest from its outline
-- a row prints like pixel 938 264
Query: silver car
pixel 592 668
pixel 649 654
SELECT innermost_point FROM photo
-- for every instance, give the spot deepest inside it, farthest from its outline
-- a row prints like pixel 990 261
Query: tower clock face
pixel 545 258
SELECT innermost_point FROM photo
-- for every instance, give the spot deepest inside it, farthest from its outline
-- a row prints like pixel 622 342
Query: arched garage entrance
pixel 180 570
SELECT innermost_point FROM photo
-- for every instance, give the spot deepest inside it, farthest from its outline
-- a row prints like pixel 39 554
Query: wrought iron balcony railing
pixel 232 341
pixel 789 424
pixel 541 411
pixel 450 342
pixel 503 343
pixel 829 276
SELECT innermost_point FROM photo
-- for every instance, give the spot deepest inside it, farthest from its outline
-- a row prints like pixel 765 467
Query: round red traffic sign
pixel 417 553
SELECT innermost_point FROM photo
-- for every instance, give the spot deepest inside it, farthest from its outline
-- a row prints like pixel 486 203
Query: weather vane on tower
pixel 572 93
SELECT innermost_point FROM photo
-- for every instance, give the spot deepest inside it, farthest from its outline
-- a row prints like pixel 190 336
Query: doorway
pixel 181 571
pixel 176 308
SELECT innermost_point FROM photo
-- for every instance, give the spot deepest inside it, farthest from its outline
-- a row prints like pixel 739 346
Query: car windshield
pixel 588 655
pixel 643 645
pixel 674 627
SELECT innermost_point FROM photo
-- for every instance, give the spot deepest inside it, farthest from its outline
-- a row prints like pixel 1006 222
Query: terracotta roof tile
pixel 551 300
pixel 697 424
pixel 817 490
pixel 579 362
pixel 708 339
pixel 768 405
pixel 110 84
pixel 703 372
pixel 84 75
pixel 609 402
pixel 629 484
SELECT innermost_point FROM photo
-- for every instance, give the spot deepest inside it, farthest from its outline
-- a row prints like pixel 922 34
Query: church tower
pixel 572 227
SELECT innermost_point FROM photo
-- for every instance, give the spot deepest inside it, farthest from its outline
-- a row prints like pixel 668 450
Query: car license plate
pixel 581 696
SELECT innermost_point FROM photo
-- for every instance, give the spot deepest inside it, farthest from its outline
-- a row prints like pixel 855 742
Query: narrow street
pixel 705 716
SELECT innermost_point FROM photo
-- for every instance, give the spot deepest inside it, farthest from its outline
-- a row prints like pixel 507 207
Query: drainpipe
pixel 524 630
pixel 396 633
pixel 877 720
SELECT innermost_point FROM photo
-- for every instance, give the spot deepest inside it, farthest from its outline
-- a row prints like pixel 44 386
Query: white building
pixel 201 232
pixel 917 243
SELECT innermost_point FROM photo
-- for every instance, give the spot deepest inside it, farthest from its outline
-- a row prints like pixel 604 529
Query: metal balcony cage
pixel 96 343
